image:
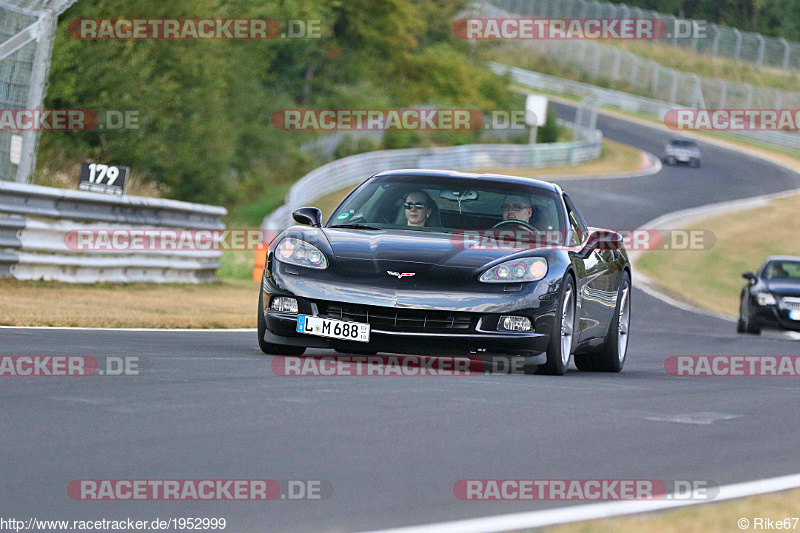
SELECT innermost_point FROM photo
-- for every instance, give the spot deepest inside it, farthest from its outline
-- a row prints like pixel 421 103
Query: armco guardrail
pixel 34 222
pixel 628 102
pixel 350 171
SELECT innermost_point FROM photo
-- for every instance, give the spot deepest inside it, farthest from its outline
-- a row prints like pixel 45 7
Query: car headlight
pixel 528 269
pixel 765 298
pixel 300 253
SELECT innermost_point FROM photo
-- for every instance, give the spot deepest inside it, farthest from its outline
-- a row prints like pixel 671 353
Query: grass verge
pixel 712 278
pixel 225 304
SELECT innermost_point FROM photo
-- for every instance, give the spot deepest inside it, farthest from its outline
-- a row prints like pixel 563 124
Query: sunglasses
pixel 515 207
pixel 412 205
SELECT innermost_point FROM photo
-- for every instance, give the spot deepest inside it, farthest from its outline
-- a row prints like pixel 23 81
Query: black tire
pixel 751 325
pixel 612 356
pixel 557 361
pixel 740 325
pixel 268 347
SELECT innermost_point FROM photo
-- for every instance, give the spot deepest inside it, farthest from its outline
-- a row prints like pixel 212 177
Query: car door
pixel 598 280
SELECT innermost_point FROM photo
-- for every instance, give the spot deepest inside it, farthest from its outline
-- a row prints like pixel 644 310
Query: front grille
pixel 391 319
pixel 791 304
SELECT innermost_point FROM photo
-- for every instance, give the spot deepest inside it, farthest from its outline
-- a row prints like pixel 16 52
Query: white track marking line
pixel 592 511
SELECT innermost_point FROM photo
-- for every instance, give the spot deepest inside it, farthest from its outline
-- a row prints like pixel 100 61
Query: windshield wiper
pixel 355 226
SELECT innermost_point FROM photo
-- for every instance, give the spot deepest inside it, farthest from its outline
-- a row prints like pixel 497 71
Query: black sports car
pixel 446 263
pixel 771 298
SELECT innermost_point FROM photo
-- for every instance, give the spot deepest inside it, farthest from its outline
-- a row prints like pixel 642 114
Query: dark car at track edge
pixel 369 281
pixel 771 297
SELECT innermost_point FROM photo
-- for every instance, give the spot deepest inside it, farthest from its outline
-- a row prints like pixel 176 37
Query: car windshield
pixel 447 204
pixel 684 144
pixel 782 270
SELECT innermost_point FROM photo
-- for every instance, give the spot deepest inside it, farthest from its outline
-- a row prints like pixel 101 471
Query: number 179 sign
pixel 96 177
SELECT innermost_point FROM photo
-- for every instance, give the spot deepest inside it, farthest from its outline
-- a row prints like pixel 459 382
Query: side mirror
pixel 310 216
pixel 750 276
pixel 601 240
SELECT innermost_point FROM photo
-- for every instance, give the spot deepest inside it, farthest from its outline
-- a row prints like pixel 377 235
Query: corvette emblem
pixel 399 275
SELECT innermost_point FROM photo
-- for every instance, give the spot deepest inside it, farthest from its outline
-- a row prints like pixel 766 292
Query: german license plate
pixel 334 329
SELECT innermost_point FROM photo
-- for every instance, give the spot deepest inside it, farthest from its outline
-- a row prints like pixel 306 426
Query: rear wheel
pixel 559 349
pixel 612 356
pixel 268 347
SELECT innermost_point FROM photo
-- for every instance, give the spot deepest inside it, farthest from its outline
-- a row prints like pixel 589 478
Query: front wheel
pixel 559 349
pixel 612 357
pixel 268 347
pixel 740 323
pixel 751 325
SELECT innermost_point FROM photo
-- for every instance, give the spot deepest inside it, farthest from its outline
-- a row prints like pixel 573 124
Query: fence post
pixel 596 64
pixel 36 91
pixel 737 48
pixel 616 65
pixel 634 68
pixel 761 46
pixel 656 68
pixel 715 42
pixel 697 95
pixel 673 90
pixel 723 94
pixel 786 51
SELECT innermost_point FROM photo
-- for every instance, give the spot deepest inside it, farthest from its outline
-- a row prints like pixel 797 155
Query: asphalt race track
pixel 210 406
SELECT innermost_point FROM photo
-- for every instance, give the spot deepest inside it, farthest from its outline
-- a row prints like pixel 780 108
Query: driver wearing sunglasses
pixel 417 208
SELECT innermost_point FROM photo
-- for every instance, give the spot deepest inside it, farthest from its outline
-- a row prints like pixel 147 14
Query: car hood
pixel 784 288
pixel 422 248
